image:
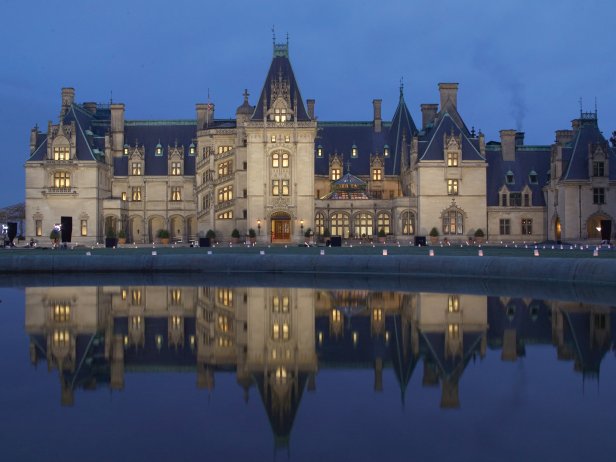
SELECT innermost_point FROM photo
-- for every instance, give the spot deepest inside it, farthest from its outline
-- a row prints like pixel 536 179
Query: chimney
pixel 563 136
pixel 519 139
pixel 508 144
pixel 90 107
pixel 376 104
pixel 209 114
pixel 68 98
pixel 428 114
pixel 201 108
pixel 449 95
pixel 575 124
pixel 117 129
pixel 33 139
pixel 310 106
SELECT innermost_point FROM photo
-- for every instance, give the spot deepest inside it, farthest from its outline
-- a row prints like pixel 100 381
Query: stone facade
pixel 276 170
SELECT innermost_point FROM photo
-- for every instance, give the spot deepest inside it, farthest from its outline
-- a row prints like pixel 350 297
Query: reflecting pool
pixel 176 372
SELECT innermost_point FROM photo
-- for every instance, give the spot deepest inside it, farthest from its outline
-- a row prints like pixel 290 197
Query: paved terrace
pixel 553 263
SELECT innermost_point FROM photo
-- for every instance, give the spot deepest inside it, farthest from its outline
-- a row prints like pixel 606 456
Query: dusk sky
pixel 520 64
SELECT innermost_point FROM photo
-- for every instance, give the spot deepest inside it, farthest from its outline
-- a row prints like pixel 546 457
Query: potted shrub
pixel 54 236
pixel 122 237
pixel 434 236
pixel 382 235
pixel 163 236
pixel 210 234
pixel 252 235
pixel 479 236
pixel 111 238
pixel 235 236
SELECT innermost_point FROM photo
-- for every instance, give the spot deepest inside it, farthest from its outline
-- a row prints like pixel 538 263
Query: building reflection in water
pixel 276 339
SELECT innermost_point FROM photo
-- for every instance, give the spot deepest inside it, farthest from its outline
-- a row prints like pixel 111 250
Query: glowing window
pixel 62 180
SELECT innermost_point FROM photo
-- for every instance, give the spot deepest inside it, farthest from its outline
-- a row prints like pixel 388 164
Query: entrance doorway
pixel 67 228
pixel 281 227
pixel 599 226
pixel 557 229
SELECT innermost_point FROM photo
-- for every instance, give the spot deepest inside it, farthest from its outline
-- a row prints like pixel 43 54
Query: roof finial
pixel 401 87
pixel 246 95
pixel 348 166
pixel 581 107
pixel 273 35
pixel 287 39
pixel 111 97
pixel 595 106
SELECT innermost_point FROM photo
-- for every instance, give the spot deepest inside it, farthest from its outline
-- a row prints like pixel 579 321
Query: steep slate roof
pixel 402 128
pixel 527 159
pixel 281 69
pixel 577 153
pixel 149 134
pixel 431 145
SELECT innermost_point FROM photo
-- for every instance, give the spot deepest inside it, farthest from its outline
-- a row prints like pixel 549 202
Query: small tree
pixel 434 232
pixel 326 233
pixel 479 233
pixel 382 232
pixel 110 233
pixel 163 234
pixel 210 234
pixel 308 232
pixel 122 234
pixel 251 233
pixel 235 234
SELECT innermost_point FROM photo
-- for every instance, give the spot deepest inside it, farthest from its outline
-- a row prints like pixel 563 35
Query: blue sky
pixel 521 64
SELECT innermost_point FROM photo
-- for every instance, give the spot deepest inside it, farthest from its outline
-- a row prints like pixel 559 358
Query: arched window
pixel 275 160
pixel 384 223
pixel 319 224
pixel 363 225
pixel 340 224
pixel 453 221
pixel 285 159
pixel 61 180
pixel 408 223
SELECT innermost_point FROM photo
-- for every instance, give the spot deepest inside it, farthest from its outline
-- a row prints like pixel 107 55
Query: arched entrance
pixel 155 224
pixel 136 229
pixel 281 227
pixel 599 226
pixel 557 229
pixel 177 227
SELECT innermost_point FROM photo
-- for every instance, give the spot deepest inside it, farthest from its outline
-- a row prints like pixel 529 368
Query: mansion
pixel 275 169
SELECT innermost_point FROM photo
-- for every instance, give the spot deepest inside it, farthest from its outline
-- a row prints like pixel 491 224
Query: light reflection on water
pixel 264 370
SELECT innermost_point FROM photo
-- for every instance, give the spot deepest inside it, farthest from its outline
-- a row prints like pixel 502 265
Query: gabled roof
pixel 431 146
pixel 280 70
pixel 576 155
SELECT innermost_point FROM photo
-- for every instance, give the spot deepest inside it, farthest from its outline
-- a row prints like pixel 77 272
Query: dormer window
pixel 126 149
pixel 319 151
pixel 354 151
pixel 452 158
pixel 192 149
pixel 509 177
pixel 532 177
pixel 386 151
pixel 280 115
pixel 598 168
pixel 159 149
pixel 61 153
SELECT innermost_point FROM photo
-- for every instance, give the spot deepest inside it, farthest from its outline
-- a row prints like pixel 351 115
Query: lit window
pixel 598 169
pixel 61 338
pixel 176 193
pixel 38 225
pixel 225 168
pixel 505 226
pixel 84 227
pixel 452 187
pixel 453 222
pixel 285 159
pixel 61 180
pixel 383 222
pixel 123 195
pixel 192 149
pixel 136 168
pixel 453 330
pixel 287 138
pixel 377 174
pixel 452 158
pixel 377 315
pixel 275 187
pixel 354 151
pixel 62 312
pixel 320 151
pixel 224 149
pixel 386 151
pixel 225 194
pixel 335 174
pixel 275 160
pixel 61 153
pixel 527 226
pixel 598 195
pixel 408 223
pixel 453 304
pixel 176 168
pixel 280 115
pixel 135 298
pixel 225 296
pixel 225 215
pixel 126 149
pixel 285 187
pixel 273 138
pixel 136 194
pixel 224 323
pixel 159 150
